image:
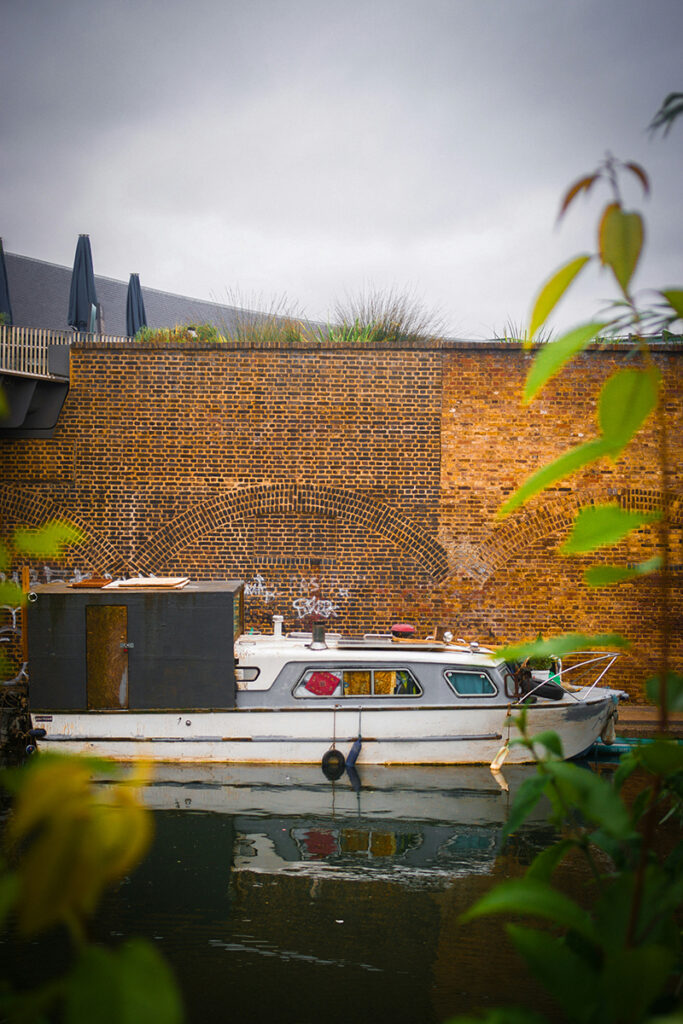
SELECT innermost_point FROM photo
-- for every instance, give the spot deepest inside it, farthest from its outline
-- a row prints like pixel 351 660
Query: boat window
pixel 353 682
pixel 471 684
pixel 357 683
pixel 317 683
pixel 246 674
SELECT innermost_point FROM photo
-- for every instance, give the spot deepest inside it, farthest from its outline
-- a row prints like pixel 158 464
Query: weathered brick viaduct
pixel 359 484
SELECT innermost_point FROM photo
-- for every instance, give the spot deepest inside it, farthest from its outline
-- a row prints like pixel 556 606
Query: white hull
pixel 440 736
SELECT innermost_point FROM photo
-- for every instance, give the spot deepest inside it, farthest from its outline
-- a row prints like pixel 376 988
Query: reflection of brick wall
pixel 356 485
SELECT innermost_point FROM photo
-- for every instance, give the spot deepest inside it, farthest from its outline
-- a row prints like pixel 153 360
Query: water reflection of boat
pixel 466 793
pixel 408 825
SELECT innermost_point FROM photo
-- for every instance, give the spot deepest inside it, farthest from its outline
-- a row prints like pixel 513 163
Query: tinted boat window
pixel 471 684
pixel 246 674
pixel 357 682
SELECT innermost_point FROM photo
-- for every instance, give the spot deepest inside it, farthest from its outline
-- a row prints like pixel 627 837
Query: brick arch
pixel 23 508
pixel 239 505
pixel 526 526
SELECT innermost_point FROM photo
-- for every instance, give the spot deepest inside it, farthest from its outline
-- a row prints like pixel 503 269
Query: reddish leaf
pixel 571 194
pixel 641 175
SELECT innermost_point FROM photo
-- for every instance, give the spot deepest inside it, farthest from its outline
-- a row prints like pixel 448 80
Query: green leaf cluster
pixel 616 962
pixel 612 959
pixel 65 842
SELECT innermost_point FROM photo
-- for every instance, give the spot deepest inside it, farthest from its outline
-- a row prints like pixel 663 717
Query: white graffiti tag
pixel 304 606
pixel 257 588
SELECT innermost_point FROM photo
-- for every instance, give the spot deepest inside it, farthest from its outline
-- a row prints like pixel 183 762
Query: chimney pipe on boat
pixel 277 625
pixel 318 641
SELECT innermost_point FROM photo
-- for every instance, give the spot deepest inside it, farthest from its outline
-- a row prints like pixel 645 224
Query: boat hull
pixel 445 735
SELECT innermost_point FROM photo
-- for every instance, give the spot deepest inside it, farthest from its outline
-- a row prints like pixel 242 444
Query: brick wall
pixel 360 485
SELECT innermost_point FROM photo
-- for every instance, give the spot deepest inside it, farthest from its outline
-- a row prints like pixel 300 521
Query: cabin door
pixel 106 643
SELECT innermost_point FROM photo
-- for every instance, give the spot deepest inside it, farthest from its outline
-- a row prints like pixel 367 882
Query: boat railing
pixel 558 676
pixel 594 659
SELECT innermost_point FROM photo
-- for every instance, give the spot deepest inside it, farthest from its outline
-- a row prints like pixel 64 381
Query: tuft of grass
pixel 381 316
pixel 259 320
pixel 517 334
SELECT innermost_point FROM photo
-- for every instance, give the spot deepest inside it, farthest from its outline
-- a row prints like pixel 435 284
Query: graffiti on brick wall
pixel 311 603
pixel 315 607
pixel 10 634
pixel 48 574
pixel 257 587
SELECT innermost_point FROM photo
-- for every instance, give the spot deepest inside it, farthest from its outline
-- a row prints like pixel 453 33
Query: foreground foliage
pixel 616 957
pixel 67 841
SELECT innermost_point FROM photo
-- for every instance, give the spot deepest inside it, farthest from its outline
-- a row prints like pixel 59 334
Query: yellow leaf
pixel 620 241
pixel 553 290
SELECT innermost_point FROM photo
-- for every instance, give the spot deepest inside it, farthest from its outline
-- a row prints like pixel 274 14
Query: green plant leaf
pixel 632 979
pixel 559 646
pixel 606 575
pixel 123 986
pixel 661 757
pixel 594 797
pixel 552 357
pixel 566 464
pixel 535 899
pixel 620 241
pixel 11 594
pixel 550 740
pixel 598 526
pixel 626 400
pixel 674 297
pixel 47 541
pixel 526 798
pixel 571 980
pixel 553 290
pixel 674 691
pixel 545 862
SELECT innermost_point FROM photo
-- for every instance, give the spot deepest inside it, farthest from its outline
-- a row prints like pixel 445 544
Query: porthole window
pixel 246 674
pixel 471 684
pixel 357 682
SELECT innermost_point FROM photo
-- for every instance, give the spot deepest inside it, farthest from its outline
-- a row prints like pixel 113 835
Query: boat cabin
pixel 136 645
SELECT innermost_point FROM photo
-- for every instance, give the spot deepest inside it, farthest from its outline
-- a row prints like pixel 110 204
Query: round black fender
pixel 333 764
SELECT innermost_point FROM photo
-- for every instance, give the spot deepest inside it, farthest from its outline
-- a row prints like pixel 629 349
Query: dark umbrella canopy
pixel 5 304
pixel 135 307
pixel 82 297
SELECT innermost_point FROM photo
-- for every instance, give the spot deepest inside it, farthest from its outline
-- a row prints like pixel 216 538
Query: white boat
pixel 296 698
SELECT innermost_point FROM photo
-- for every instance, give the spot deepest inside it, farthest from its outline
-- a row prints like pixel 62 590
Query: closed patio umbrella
pixel 135 307
pixel 82 297
pixel 5 304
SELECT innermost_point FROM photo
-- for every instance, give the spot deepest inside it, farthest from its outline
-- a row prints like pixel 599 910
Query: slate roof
pixel 39 293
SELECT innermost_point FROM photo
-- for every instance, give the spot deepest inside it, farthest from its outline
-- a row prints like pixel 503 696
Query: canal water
pixel 278 895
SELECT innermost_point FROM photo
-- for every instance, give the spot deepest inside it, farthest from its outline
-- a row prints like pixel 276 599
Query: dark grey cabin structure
pixel 134 650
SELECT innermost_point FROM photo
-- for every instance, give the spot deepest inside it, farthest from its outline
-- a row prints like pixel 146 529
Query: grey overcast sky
pixel 315 149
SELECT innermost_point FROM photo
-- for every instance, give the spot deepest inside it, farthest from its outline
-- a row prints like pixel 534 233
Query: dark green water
pixel 288 898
